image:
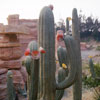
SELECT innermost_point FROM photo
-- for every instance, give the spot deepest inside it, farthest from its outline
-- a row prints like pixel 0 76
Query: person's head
pixel 59 30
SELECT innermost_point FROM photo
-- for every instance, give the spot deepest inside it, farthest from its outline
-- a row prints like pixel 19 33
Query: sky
pixel 30 9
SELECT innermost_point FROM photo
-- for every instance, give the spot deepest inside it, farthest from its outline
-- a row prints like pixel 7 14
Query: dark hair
pixel 60 28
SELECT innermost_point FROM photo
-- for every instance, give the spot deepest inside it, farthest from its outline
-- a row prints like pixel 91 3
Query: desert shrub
pixel 90 82
pixel 98 48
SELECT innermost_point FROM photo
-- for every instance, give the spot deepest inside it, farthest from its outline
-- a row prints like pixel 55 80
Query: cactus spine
pixel 32 67
pixel 10 86
pixel 77 91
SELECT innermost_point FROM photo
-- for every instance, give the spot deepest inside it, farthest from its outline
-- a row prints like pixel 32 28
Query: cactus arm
pixel 28 62
pixel 10 86
pixel 91 65
pixel 47 61
pixel 77 91
pixel 62 56
pixel 33 90
pixel 73 62
pixel 62 74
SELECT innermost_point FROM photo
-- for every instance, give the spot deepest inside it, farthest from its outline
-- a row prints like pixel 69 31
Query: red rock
pixel 18 79
pixel 14 64
pixel 3 81
pixel 10 53
pixel 3 76
pixel 3 70
pixel 3 95
pixel 5 53
pixel 17 53
pixel 24 73
pixel 3 87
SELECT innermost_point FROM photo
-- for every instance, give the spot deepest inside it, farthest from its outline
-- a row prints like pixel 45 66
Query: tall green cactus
pixel 47 85
pixel 10 86
pixel 47 69
pixel 77 91
pixel 32 66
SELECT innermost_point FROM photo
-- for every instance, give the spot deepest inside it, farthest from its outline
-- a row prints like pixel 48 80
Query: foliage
pixel 89 81
pixel 98 48
pixel 89 27
pixel 96 94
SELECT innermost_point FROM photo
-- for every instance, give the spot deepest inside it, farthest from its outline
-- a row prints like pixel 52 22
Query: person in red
pixel 59 38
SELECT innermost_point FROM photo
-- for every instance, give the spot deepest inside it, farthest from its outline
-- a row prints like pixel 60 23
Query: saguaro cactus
pixel 10 86
pixel 32 66
pixel 75 33
pixel 47 85
pixel 47 69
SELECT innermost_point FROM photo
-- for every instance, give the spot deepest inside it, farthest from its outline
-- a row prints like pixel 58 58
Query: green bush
pixel 89 81
pixel 98 48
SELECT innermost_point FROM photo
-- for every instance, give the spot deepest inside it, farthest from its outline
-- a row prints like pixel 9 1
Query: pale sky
pixel 30 9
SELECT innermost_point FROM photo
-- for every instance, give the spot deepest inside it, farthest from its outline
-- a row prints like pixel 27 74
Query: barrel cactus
pixel 46 86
